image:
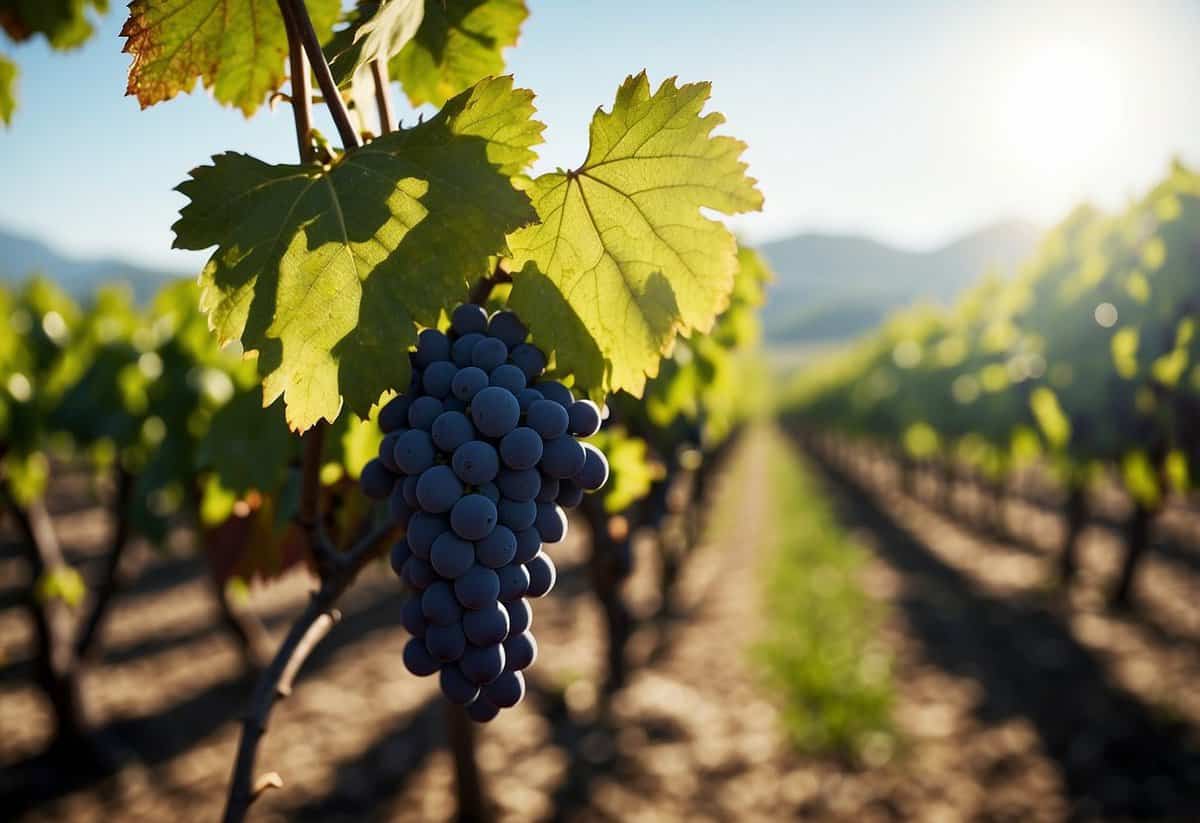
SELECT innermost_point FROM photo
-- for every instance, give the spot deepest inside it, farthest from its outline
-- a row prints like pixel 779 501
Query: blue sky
pixel 912 121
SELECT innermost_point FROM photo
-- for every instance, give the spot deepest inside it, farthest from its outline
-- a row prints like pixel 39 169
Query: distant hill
pixel 22 256
pixel 831 287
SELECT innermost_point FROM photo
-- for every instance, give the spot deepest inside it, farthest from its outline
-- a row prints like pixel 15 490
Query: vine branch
pixel 320 66
pixel 482 290
pixel 383 97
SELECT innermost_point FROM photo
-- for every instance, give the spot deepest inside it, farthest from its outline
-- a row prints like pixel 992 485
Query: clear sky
pixel 912 121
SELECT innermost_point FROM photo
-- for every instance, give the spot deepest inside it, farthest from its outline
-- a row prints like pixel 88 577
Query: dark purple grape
pixel 495 411
pixel 521 448
pixel 385 450
pixel 432 346
pixel 529 359
pixel 460 352
pixel 520 650
pixel 509 377
pixel 414 452
pixel 553 390
pixel 473 517
pixel 394 414
pixel 506 326
pixel 451 430
pixel 551 522
pixel 478 587
pixel 491 491
pixel 398 510
pixel 469 382
pixel 482 664
pixel 507 690
pixel 489 353
pixel 542 575
pixel 518 515
pixel 376 481
pixel 519 616
pixel 457 687
pixel 450 555
pixel 482 710
pixel 439 605
pixel 594 473
pixel 417 658
pixel 514 582
pixel 550 489
pixel 548 419
pixel 437 378
pixel 419 574
pixel 584 418
pixel 498 548
pixel 469 319
pixel 476 462
pixel 423 411
pixel 529 543
pixel 413 618
pixel 445 643
pixel 527 397
pixel 562 458
pixel 487 625
pixel 401 552
pixel 570 494
pixel 423 529
pixel 519 485
pixel 408 489
pixel 438 489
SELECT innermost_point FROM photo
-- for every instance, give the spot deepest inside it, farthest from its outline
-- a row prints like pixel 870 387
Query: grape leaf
pixel 237 48
pixel 623 260
pixel 8 89
pixel 378 32
pixel 324 271
pixel 64 23
pixel 459 42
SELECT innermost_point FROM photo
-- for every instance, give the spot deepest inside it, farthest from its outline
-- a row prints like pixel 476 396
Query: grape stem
pixel 306 633
pixel 482 290
pixel 320 66
pixel 383 97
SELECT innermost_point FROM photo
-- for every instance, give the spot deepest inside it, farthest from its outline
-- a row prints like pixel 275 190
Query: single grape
pixel 519 485
pixel 478 587
pixel 520 650
pixel 401 552
pixel 514 582
pixel 550 489
pixel 519 616
pixel 482 664
pixel 562 458
pixel 507 376
pixel 507 690
pixel 487 625
pixel 476 462
pixel 376 481
pixel 385 450
pixel 451 430
pixel 457 686
pixel 417 658
pixel 469 319
pixel 445 643
pixel 553 390
pixel 570 494
pixel 585 418
pixel 460 352
pixel 482 710
pixel 423 529
pixel 439 605
pixel 521 448
pixel 551 522
pixel 489 353
pixel 506 326
pixel 438 489
pixel 594 473
pixel 423 411
pixel 548 419
pixel 529 359
pixel 394 414
pixel 542 575
pixel 437 378
pixel 518 515
pixel 432 346
pixel 414 451
pixel 450 555
pixel 469 382
pixel 473 517
pixel 529 543
pixel 413 618
pixel 419 574
pixel 498 548
pixel 527 397
pixel 495 411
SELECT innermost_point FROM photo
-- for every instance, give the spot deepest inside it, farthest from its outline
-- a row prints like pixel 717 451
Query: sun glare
pixel 1064 109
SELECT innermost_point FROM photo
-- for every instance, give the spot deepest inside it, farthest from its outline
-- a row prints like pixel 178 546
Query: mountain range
pixel 831 287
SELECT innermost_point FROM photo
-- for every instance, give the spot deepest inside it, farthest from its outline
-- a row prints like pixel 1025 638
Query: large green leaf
pixel 324 271
pixel 623 260
pixel 378 31
pixel 64 23
pixel 8 89
pixel 459 42
pixel 237 48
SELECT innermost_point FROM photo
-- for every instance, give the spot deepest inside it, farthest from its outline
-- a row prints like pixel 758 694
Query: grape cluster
pixel 478 460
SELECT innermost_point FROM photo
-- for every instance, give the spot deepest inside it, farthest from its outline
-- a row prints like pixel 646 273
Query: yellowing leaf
pixel 237 48
pixel 459 43
pixel 623 260
pixel 324 271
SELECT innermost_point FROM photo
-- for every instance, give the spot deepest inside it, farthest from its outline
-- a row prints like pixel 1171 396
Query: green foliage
pixel 632 468
pixel 235 48
pixel 64 23
pixel 820 647
pixel 458 43
pixel 8 89
pixel 325 271
pixel 623 260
